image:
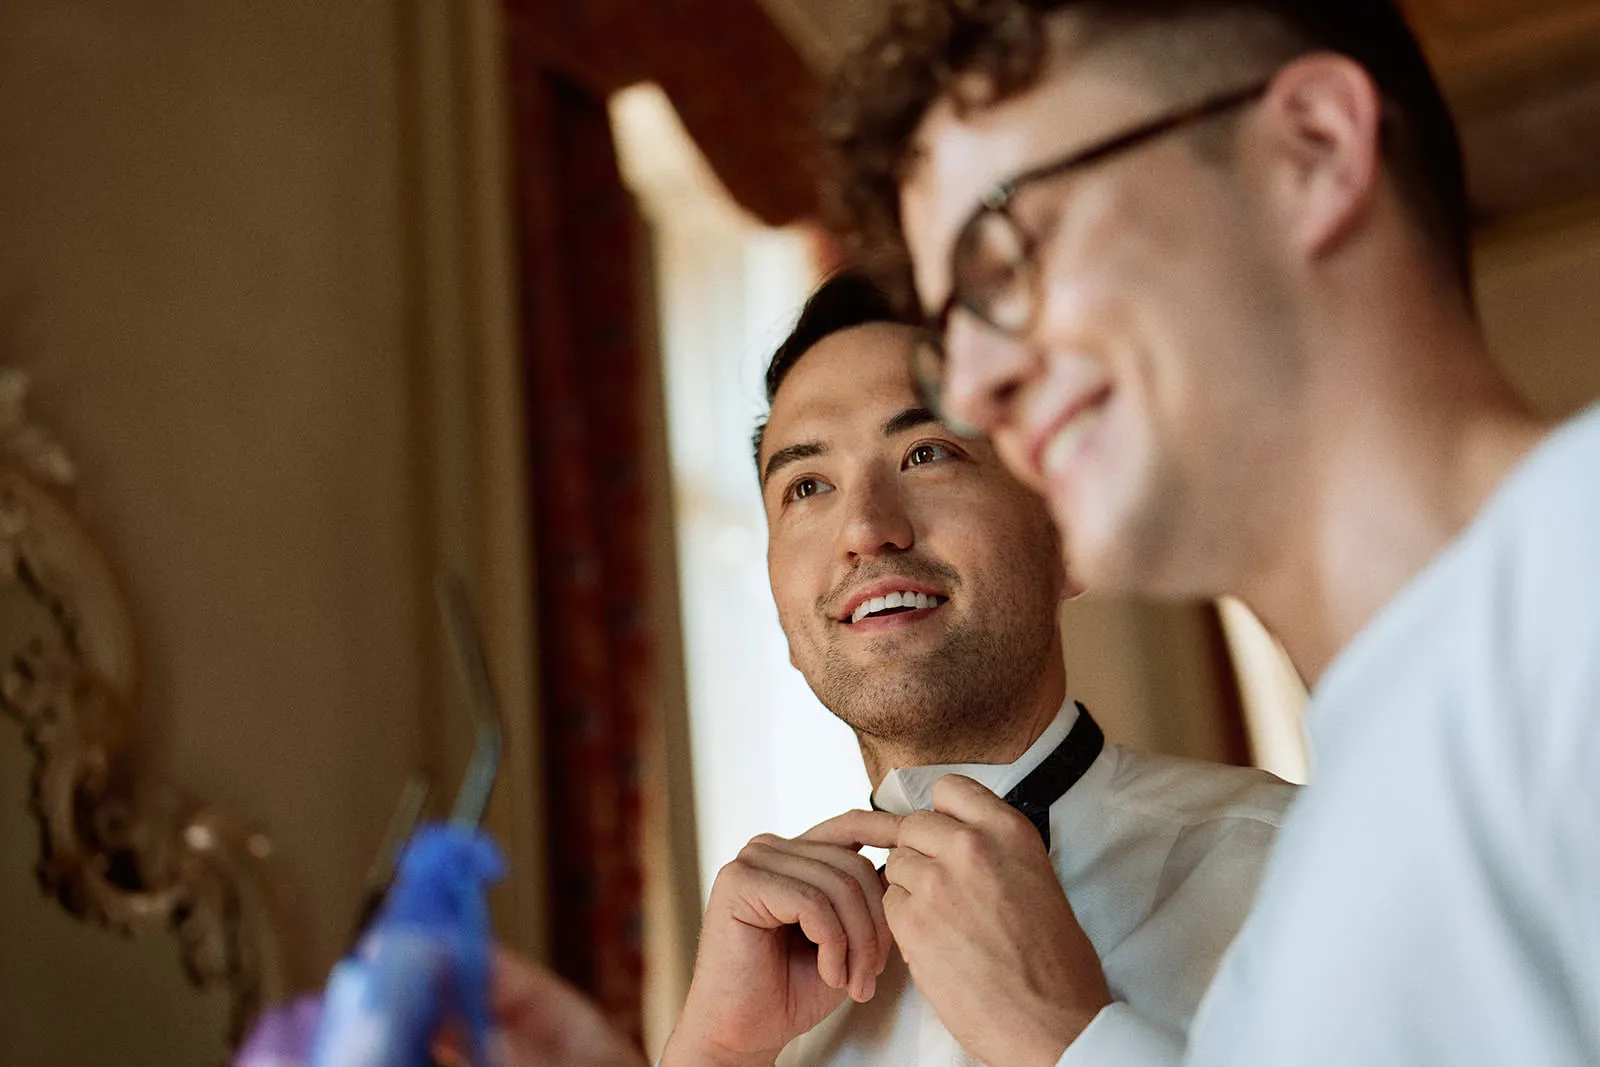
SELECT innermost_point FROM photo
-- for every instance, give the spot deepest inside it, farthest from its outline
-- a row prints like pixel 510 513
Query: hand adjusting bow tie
pixel 1055 774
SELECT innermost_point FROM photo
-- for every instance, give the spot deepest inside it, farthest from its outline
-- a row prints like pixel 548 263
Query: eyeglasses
pixel 994 272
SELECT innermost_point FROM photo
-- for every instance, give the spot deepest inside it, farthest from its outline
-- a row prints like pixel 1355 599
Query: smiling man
pixel 1200 269
pixel 919 585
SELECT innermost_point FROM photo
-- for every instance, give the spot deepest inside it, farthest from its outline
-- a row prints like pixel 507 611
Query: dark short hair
pixel 882 92
pixel 847 299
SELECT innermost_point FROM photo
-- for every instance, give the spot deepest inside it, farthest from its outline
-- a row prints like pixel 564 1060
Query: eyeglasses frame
pixel 997 200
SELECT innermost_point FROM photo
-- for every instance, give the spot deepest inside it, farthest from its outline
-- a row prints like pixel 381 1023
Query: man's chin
pixel 902 709
pixel 872 694
pixel 1100 556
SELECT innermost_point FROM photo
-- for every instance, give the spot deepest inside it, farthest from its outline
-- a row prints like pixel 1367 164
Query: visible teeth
pixel 895 600
pixel 1064 446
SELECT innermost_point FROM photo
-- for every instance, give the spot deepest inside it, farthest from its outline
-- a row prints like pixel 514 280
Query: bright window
pixel 767 756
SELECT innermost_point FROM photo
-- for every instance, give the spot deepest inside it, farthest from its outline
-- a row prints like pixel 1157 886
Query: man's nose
pixel 876 520
pixel 984 372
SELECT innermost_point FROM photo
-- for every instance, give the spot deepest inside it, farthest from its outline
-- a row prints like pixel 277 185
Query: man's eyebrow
pixel 790 454
pixel 909 419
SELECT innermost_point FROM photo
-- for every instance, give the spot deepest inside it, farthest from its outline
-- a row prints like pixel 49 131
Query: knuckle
pixel 732 879
pixel 1017 827
pixel 762 845
pixel 972 848
pixel 813 896
pixel 907 923
pixel 846 882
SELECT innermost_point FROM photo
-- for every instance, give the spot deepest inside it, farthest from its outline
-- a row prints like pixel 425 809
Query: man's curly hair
pixel 881 92
pixel 979 52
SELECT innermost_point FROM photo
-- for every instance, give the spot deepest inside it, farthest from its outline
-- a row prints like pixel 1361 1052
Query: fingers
pixel 831 893
pixel 908 871
pixel 966 820
pixel 856 829
pixel 832 912
pixel 970 802
pixel 861 869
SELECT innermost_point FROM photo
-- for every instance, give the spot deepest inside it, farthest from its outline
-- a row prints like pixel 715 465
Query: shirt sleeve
pixel 1121 1037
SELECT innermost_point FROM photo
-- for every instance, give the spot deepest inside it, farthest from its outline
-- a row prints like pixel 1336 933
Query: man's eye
pixel 928 452
pixel 802 488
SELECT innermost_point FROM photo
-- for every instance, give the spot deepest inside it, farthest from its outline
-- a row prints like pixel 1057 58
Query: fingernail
pixel 872 987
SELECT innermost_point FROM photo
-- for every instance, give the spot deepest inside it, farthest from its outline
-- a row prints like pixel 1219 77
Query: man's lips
pixel 883 588
pixel 1052 447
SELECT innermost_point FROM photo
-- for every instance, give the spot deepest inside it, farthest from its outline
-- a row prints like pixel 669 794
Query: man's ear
pixel 1323 117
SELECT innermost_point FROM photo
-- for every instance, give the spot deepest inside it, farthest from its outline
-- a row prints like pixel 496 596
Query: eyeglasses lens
pixel 993 272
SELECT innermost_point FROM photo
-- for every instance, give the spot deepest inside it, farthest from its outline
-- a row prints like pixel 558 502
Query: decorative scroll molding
pixel 115 848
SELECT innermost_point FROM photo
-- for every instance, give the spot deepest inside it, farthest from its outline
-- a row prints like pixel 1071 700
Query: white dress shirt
pixel 1159 857
pixel 1434 898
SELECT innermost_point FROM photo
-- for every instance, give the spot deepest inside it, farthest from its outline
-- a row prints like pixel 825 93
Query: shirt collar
pixel 907 789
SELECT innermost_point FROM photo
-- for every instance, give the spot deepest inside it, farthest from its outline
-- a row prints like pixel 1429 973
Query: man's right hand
pixel 793 927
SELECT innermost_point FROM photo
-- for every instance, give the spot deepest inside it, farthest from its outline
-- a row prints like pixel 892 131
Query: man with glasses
pixel 1201 273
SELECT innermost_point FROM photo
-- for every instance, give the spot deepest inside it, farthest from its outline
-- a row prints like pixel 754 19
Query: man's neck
pixel 999 743
pixel 1408 436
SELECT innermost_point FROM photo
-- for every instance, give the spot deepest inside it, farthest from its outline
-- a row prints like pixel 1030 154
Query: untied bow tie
pixel 1056 773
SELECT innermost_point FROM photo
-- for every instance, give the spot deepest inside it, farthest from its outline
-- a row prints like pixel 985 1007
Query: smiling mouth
pixel 894 604
pixel 1064 446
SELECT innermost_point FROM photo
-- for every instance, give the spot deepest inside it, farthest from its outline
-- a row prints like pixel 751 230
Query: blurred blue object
pixel 423 965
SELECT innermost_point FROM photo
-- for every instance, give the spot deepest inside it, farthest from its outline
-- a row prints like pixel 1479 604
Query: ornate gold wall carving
pixel 115 848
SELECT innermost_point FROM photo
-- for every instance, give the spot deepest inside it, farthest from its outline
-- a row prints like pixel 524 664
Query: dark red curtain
pixel 741 92
pixel 581 374
pixel 741 89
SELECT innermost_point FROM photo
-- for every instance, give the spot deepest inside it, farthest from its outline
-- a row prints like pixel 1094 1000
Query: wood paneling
pixel 1524 79
pixel 1469 39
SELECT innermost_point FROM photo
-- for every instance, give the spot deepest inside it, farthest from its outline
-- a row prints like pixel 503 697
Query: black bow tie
pixel 1055 774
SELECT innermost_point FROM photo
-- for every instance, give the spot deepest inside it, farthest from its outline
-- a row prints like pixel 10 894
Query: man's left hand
pixel 987 931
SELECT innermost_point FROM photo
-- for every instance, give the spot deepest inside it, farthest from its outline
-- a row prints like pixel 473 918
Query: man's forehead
pixel 850 380
pixel 959 153
pixel 953 165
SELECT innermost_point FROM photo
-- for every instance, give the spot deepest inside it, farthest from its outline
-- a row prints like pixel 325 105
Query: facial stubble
pixel 951 703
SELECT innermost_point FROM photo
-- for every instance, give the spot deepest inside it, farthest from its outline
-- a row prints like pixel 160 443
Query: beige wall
pixel 233 258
